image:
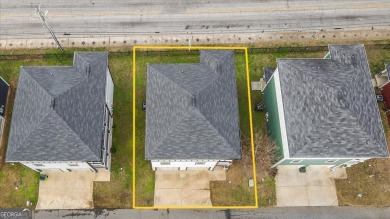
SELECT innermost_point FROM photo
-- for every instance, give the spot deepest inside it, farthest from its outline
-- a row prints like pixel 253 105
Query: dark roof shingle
pixel 192 109
pixel 58 111
pixel 330 107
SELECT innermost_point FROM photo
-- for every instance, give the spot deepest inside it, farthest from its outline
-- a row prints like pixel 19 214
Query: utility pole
pixel 43 19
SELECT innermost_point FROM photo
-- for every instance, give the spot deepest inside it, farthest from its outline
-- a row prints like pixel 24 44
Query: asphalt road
pixel 112 17
pixel 262 213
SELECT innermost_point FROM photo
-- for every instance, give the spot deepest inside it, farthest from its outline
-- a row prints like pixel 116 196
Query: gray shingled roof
pixel 330 107
pixel 58 112
pixel 192 109
pixel 387 66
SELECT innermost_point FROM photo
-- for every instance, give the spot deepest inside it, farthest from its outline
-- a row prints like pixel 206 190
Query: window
pixel 73 164
pixel 38 165
pixel 296 161
pixel 165 162
pixel 331 161
pixel 200 163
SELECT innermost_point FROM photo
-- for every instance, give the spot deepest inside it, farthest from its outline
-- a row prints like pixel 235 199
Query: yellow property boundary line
pixel 250 124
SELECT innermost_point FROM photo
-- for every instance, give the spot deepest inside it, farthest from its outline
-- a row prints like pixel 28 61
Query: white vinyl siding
pixel 184 164
pixel 109 91
pixel 63 166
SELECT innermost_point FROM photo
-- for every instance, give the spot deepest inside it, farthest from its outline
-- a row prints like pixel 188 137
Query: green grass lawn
pixel 118 192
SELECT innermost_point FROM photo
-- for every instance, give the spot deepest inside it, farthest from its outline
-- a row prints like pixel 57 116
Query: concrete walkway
pixel 184 188
pixel 316 187
pixel 68 190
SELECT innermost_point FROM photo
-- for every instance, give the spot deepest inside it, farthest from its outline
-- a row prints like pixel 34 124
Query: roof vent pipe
pixel 88 69
pixel 52 103
pixel 193 101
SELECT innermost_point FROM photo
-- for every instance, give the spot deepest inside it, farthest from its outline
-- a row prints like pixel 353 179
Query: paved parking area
pixel 316 187
pixel 184 188
pixel 68 190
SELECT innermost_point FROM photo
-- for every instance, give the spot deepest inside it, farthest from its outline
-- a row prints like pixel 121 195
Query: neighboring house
pixel 382 80
pixel 62 116
pixel 192 119
pixel 4 87
pixel 324 111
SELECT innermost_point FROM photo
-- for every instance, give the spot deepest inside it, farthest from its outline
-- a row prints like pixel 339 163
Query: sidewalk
pixel 268 38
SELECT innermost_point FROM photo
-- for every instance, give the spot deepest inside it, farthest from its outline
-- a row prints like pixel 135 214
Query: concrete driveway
pixel 316 187
pixel 184 188
pixel 68 190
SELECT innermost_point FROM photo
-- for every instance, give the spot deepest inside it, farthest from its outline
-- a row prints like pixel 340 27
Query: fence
pixel 380 46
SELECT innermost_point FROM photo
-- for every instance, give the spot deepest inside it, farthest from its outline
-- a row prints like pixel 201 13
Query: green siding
pixel 273 124
pixel 308 162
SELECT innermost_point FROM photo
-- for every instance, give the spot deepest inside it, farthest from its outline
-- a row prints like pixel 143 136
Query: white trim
pixel 330 158
pixel 327 55
pixel 359 159
pixel 383 85
pixel 109 92
pixel 74 59
pixel 278 163
pixel 373 91
pixel 282 121
pixel 184 164
pixel 4 81
pixel 63 166
pixel 331 161
pixel 266 83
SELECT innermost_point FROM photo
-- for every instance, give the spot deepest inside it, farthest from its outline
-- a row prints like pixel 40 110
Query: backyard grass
pixel 372 181
pixel 117 192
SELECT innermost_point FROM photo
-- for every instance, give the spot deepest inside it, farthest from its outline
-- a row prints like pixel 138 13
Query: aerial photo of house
pixel 192 113
pixel 62 116
pixel 324 111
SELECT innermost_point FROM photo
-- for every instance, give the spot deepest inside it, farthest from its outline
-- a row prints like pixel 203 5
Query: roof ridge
pixel 74 85
pixel 171 127
pixel 185 90
pixel 207 84
pixel 32 130
pixel 213 127
pixel 42 118
pixel 305 146
pixel 80 54
pixel 49 67
pixel 79 83
pixel 209 52
pixel 170 130
pixel 66 125
pixel 39 85
pixel 70 128
pixel 298 68
pixel 316 83
pixel 203 117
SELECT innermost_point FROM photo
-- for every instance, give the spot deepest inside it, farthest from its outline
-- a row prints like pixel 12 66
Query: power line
pixel 43 19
